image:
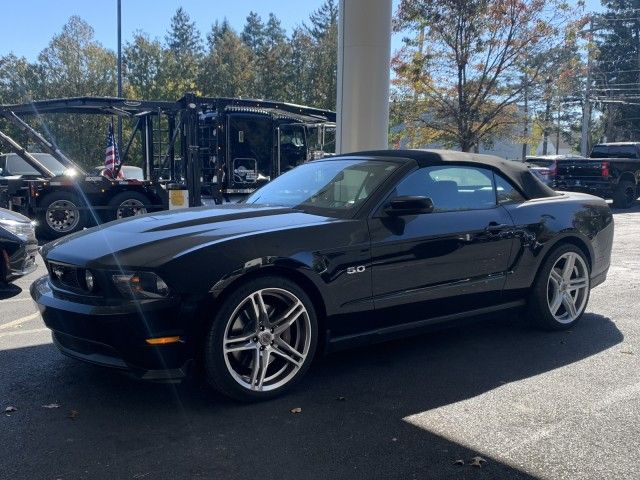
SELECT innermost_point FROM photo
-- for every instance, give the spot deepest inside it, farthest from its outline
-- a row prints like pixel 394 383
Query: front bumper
pixel 114 335
pixel 19 262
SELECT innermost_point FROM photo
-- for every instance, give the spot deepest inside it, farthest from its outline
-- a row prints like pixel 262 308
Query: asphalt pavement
pixel 531 404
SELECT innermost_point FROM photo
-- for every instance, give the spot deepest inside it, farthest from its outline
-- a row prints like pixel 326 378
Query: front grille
pixel 65 276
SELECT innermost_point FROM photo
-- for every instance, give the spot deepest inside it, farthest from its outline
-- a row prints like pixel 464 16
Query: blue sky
pixel 28 25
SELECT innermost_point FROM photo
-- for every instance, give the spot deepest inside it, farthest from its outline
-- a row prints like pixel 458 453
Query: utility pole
pixel 558 129
pixel 119 69
pixel 586 108
pixel 525 132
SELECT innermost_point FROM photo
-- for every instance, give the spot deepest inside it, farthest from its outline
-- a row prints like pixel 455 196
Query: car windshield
pixel 18 166
pixel 333 187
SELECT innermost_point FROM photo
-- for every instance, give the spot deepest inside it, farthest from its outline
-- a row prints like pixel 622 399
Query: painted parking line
pixel 14 300
pixel 24 332
pixel 20 320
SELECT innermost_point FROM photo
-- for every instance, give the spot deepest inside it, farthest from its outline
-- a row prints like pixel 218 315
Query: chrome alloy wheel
pixel 63 216
pixel 568 287
pixel 130 208
pixel 267 339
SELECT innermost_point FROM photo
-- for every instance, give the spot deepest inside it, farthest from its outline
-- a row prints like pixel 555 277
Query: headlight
pixel 22 230
pixel 141 285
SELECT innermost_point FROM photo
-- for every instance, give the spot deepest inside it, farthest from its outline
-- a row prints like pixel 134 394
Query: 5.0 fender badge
pixel 358 269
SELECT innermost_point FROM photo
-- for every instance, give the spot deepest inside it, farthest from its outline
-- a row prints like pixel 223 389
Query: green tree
pixel 300 72
pixel 185 52
pixel 616 53
pixel 272 61
pixel 145 68
pixel 253 33
pixel 75 64
pixel 227 68
pixel 323 29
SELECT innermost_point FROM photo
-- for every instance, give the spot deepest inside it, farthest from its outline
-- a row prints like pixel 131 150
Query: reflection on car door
pixel 454 259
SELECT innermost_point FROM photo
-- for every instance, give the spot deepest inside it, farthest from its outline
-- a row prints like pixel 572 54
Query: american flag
pixel 112 158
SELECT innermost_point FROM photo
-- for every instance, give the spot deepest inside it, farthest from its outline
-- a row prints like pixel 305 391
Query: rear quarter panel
pixel 542 224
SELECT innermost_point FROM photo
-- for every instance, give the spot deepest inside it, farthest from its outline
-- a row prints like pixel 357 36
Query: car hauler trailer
pixel 220 146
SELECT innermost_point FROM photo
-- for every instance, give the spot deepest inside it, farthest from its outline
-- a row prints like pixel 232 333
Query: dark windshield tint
pixel 328 187
pixel 614 151
pixel 18 166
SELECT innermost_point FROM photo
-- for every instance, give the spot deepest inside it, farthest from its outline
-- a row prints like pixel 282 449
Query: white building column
pixel 364 53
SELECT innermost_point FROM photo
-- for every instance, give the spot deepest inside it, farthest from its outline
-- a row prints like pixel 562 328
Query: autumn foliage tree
pixel 262 61
pixel 459 74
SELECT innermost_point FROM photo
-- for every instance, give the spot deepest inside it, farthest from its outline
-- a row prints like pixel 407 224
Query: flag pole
pixel 119 67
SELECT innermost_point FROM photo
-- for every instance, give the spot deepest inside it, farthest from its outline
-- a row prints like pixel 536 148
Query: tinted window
pixel 18 166
pixel 505 192
pixel 451 188
pixel 614 151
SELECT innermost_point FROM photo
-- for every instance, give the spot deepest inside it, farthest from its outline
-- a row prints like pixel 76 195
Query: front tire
pixel 262 340
pixel 561 290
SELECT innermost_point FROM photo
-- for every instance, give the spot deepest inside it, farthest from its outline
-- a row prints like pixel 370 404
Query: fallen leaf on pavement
pixel 477 462
pixel 459 462
pixel 51 405
pixel 73 414
pixel 296 410
pixel 10 409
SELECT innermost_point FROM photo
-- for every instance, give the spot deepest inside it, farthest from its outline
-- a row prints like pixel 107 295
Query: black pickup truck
pixel 611 171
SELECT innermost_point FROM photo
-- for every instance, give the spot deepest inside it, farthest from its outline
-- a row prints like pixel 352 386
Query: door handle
pixel 495 227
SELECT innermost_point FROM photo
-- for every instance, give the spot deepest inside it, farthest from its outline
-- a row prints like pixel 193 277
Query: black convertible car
pixel 334 253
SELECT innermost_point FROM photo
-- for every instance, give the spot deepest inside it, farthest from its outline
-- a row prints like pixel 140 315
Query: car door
pixel 451 260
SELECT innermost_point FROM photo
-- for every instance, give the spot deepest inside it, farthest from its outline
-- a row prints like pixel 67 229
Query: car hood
pixel 151 239
pixel 9 215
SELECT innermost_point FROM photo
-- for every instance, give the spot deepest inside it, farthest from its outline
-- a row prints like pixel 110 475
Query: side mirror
pixel 409 205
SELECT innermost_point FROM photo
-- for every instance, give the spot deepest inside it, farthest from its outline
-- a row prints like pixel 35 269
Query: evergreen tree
pixel 300 72
pixel 273 61
pixel 227 68
pixel 185 53
pixel 617 68
pixel 324 32
pixel 253 33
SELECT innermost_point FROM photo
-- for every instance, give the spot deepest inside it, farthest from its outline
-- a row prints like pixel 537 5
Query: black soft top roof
pixel 518 173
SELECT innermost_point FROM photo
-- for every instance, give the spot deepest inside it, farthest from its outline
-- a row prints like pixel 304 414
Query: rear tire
pixel 261 341
pixel 127 204
pixel 561 290
pixel 625 194
pixel 62 214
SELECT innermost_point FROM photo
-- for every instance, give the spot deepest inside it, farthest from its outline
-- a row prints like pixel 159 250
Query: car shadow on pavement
pixel 352 424
pixel 9 290
pixel 635 208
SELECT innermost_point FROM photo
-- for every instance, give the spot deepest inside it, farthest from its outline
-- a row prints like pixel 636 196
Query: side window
pixel 451 188
pixel 505 192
